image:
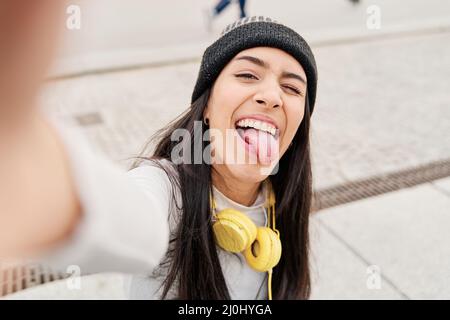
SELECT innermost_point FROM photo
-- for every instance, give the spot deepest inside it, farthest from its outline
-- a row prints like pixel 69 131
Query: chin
pixel 249 172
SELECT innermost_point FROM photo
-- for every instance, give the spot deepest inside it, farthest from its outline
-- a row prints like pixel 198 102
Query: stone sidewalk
pixel 403 236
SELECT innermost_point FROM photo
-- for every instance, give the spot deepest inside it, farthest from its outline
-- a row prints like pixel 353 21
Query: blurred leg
pixel 221 6
pixel 242 7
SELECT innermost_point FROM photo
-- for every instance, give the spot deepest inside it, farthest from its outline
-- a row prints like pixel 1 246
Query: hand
pixel 28 38
pixel 38 201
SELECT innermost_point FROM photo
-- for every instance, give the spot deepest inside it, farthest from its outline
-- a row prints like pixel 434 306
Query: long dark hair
pixel 192 259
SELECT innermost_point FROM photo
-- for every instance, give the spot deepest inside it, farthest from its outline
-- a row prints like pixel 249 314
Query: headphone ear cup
pixel 234 231
pixel 265 252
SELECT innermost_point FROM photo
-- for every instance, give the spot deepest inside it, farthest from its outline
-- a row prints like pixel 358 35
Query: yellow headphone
pixel 261 246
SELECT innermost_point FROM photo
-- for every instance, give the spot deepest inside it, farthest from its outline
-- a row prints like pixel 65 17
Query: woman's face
pixel 256 106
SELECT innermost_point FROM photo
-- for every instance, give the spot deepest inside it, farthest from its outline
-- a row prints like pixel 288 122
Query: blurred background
pixel 380 131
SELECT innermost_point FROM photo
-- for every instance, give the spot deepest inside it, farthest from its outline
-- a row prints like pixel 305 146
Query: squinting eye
pixel 246 76
pixel 294 90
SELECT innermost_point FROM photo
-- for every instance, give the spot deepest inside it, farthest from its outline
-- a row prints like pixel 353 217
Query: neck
pixel 244 193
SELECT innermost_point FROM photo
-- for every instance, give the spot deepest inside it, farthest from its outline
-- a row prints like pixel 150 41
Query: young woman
pixel 188 221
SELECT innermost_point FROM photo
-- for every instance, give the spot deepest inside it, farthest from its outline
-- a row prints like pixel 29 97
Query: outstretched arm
pixel 58 199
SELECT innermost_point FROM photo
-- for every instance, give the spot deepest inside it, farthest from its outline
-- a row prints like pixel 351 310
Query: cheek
pixel 226 98
pixel 294 117
pixel 231 93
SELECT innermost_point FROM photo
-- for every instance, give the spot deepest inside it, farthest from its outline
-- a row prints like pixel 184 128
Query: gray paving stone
pixel 443 185
pixel 337 273
pixel 392 116
pixel 102 286
pixel 405 233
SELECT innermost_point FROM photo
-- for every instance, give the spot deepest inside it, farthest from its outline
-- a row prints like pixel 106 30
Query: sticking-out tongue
pixel 264 144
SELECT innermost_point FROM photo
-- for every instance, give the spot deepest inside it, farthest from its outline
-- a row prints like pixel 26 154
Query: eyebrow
pixel 263 64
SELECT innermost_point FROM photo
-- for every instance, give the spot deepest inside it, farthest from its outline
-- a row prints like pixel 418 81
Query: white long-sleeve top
pixel 126 224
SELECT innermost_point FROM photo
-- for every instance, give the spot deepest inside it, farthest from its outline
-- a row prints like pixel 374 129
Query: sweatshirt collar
pixel 256 211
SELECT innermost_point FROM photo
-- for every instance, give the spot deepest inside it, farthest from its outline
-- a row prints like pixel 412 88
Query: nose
pixel 270 97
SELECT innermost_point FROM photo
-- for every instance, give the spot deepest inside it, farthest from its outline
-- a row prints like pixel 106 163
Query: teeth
pixel 264 127
pixel 259 125
pixel 272 131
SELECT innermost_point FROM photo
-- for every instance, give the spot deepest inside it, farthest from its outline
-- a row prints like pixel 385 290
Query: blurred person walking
pixel 219 8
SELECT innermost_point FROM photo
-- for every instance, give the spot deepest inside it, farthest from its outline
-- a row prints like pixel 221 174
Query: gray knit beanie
pixel 253 32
